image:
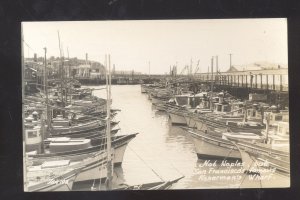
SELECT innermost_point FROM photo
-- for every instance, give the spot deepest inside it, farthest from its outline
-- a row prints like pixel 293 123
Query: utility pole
pixel 230 61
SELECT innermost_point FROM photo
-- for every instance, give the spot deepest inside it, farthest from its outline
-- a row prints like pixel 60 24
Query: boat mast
pixel 108 93
pixel 46 89
pixel 70 77
pixel 267 126
pixel 61 70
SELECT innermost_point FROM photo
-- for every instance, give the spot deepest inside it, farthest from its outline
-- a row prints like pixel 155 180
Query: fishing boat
pixel 161 95
pixel 119 143
pixel 212 146
pixel 185 106
pixel 89 165
pixel 279 160
pixel 177 117
pixel 82 118
pixel 212 122
pixel 83 133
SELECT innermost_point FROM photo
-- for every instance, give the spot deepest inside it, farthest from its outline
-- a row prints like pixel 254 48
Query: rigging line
pixel 253 162
pixel 101 174
pixel 27 44
pixel 231 149
pixel 145 163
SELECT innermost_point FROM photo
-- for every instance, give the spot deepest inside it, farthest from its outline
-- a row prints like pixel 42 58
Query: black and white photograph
pixel 155 104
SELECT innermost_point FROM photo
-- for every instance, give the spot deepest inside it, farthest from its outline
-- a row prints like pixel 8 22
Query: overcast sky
pixel 132 44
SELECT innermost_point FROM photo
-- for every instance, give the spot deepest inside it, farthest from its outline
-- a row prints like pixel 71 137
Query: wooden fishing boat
pixel 80 130
pixel 211 146
pixel 265 154
pixel 119 143
pixel 211 122
pixel 91 166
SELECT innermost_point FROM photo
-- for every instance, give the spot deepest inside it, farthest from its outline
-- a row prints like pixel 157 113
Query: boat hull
pixel 280 160
pixel 191 123
pixel 205 123
pixel 177 119
pixel 209 147
pixel 95 170
pixel 119 145
pixel 64 184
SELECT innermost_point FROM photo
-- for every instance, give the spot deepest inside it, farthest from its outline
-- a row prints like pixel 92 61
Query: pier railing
pixel 276 79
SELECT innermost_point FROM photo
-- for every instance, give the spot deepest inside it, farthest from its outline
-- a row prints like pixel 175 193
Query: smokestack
pixel 86 58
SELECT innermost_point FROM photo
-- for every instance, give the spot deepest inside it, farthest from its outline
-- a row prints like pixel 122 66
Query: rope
pixel 246 174
pixel 146 163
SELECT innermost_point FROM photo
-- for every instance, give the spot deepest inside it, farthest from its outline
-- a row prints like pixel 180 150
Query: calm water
pixel 160 151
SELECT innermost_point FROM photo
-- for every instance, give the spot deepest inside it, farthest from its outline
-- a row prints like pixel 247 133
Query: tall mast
pixel 60 69
pixel 46 89
pixel 70 76
pixel 108 93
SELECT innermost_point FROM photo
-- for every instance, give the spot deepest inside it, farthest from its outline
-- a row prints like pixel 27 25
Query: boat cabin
pixel 279 137
pixel 254 114
pixel 221 107
pixel 190 100
pixel 62 144
pixel 277 117
pixel 33 138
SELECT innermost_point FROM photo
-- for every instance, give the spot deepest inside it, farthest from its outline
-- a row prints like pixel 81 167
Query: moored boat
pixel 208 146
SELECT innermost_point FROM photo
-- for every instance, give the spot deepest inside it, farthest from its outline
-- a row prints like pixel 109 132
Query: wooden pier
pixel 272 79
